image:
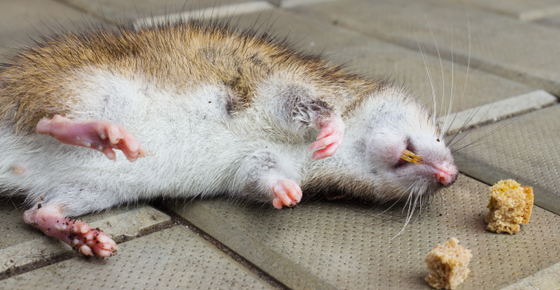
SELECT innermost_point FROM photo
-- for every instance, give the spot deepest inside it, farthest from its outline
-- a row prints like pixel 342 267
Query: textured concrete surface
pixel 22 21
pixel 380 60
pixel 492 42
pixel 548 278
pixel 497 110
pixel 519 9
pixel 21 244
pixel 525 148
pixel 170 259
pixel 125 10
pixel 220 12
pixel 357 246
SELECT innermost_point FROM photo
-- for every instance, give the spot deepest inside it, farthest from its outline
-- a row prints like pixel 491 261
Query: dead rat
pixel 211 110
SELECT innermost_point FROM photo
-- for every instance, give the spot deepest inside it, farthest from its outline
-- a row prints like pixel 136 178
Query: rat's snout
pixel 445 173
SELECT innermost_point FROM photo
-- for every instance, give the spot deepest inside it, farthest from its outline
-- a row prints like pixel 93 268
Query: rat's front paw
pixel 287 193
pixel 329 138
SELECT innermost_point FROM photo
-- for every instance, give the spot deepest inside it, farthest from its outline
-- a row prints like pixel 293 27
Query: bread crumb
pixel 510 205
pixel 448 265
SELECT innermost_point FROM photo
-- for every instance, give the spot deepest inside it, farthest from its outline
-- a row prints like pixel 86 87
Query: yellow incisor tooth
pixel 409 156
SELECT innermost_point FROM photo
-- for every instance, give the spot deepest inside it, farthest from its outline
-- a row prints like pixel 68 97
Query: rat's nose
pixel 445 173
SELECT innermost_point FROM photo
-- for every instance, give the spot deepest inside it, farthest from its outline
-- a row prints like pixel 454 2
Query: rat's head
pixel 404 149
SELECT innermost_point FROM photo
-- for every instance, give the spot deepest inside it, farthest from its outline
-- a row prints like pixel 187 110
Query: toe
pixel 108 151
pixel 293 191
pixel 325 152
pixel 281 192
pixel 287 193
pixel 85 250
pixel 114 134
pixel 324 142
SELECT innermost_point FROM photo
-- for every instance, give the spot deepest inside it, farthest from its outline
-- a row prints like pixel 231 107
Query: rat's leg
pixel 302 108
pixel 318 114
pixel 264 176
pixel 96 134
pixel 79 235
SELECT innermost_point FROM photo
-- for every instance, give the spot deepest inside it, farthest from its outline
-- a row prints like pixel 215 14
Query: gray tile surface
pixel 495 111
pixel 24 20
pixel 174 258
pixel 378 59
pixel 547 279
pixel 498 44
pixel 519 9
pixel 21 244
pixel 352 246
pixel 121 11
pixel 524 148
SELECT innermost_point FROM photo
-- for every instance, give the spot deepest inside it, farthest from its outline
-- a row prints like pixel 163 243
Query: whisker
pixel 486 135
pixel 466 81
pixel 440 65
pixel 471 116
pixel 425 60
pixel 452 96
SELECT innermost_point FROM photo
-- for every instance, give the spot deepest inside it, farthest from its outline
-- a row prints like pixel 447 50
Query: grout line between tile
pixel 179 220
pixel 537 14
pixel 211 12
pixel 546 279
pixel 44 251
pixel 497 110
pixel 296 3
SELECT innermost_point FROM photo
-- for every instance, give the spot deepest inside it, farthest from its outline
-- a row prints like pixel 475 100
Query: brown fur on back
pixel 174 57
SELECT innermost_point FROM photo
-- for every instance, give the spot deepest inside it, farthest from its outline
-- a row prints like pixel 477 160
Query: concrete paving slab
pixel 174 258
pixel 124 10
pixel 21 244
pixel 355 246
pixel 547 279
pixel 524 148
pixel 496 111
pixel 225 11
pixel 498 44
pixel 378 59
pixel 519 9
pixel 21 21
pixel 295 3
pixel 553 22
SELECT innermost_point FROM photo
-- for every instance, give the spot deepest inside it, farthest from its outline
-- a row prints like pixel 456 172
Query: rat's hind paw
pixel 287 193
pixel 95 134
pixel 89 241
pixel 329 138
pixel 82 237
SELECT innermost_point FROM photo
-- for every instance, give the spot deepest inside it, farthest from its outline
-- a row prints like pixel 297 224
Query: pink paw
pixel 287 193
pixel 329 138
pixel 95 134
pixel 79 235
pixel 89 241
